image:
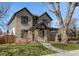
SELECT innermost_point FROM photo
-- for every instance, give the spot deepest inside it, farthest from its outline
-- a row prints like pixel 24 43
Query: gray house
pixel 27 26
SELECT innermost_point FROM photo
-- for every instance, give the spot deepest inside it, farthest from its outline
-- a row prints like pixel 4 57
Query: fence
pixel 7 39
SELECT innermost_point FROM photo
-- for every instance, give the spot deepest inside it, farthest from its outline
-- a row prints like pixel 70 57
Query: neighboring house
pixel 25 25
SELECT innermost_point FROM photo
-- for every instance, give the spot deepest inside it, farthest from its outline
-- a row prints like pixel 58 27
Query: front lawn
pixel 24 50
pixel 68 47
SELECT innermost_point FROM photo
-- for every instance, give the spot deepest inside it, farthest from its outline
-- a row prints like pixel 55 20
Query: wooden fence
pixel 7 39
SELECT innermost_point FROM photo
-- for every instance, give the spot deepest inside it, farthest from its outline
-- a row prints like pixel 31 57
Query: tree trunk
pixel 63 26
pixel 64 36
pixel 61 36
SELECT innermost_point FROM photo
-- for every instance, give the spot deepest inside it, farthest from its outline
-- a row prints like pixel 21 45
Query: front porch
pixel 43 33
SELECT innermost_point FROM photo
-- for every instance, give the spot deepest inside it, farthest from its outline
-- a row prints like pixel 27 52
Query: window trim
pixel 24 21
pixel 22 33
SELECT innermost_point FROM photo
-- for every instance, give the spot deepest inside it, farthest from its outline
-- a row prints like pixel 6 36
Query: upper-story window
pixel 45 21
pixel 35 20
pixel 24 20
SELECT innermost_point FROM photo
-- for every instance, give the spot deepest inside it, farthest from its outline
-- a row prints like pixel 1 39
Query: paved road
pixel 71 53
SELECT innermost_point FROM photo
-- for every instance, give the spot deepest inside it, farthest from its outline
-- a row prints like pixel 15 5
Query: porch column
pixel 45 35
pixel 30 35
pixel 36 35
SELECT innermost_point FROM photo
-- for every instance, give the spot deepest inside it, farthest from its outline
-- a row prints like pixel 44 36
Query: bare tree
pixel 4 7
pixel 63 31
pixel 3 10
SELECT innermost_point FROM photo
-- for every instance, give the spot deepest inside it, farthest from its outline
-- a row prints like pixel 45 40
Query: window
pixel 35 20
pixel 24 33
pixel 24 20
pixel 45 21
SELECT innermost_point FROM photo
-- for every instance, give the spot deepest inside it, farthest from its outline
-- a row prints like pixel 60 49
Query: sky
pixel 38 8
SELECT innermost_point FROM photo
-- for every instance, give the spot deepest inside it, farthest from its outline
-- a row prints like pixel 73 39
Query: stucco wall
pixel 20 26
pixel 12 27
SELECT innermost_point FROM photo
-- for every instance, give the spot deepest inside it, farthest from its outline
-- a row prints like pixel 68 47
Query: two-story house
pixel 25 25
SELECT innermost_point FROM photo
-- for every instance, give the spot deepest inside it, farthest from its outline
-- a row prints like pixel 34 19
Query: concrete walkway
pixel 60 52
pixel 70 53
pixel 50 47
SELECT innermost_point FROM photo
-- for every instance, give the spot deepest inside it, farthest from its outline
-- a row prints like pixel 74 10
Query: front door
pixel 41 34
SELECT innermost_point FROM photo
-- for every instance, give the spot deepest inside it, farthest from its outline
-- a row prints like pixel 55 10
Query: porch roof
pixel 42 26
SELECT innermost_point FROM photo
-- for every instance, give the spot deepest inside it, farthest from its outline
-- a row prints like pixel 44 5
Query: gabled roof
pixel 18 12
pixel 29 13
pixel 46 14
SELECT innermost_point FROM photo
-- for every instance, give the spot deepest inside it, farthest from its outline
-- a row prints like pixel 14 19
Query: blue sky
pixel 38 8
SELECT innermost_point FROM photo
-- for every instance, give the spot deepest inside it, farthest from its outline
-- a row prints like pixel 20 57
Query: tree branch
pixel 67 13
pixel 3 11
pixel 59 14
pixel 70 13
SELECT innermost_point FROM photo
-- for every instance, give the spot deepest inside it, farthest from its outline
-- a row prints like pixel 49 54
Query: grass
pixel 24 50
pixel 68 47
